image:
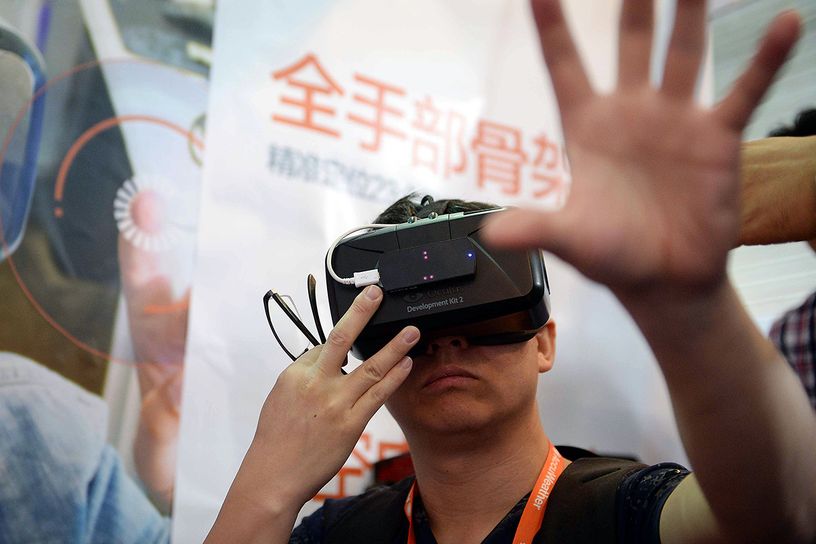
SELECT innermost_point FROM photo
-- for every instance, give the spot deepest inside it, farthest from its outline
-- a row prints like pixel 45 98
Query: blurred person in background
pixel 779 206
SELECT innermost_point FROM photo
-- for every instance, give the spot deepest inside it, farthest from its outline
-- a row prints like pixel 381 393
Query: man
pixel 778 192
pixel 779 205
pixel 653 211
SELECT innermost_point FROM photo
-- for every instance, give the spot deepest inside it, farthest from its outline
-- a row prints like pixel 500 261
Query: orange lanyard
pixel 533 514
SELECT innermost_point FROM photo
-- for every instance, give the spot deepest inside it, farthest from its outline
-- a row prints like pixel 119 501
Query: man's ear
pixel 546 346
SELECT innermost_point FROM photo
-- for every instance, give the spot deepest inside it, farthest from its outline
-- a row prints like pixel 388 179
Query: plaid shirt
pixel 794 334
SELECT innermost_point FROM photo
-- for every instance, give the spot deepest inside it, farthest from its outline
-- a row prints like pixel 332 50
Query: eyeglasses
pixel 290 311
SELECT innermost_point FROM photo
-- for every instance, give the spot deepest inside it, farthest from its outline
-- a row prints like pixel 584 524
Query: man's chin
pixel 449 419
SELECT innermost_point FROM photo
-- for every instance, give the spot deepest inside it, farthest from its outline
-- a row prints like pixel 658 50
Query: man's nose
pixel 446 342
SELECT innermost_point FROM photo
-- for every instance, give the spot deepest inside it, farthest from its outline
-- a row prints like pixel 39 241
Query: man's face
pixel 456 387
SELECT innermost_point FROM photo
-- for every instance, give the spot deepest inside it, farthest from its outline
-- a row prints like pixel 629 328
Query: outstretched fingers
pixel 378 377
pixel 736 109
pixel 635 42
pixel 570 82
pixel 686 49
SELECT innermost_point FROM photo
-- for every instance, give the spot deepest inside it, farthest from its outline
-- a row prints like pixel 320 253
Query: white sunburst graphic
pixel 142 211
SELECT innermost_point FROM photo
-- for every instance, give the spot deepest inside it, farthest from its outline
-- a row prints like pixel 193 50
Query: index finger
pixel 736 108
pixel 569 79
pixel 343 335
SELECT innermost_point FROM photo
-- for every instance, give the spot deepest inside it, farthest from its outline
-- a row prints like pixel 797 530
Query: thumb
pixel 527 229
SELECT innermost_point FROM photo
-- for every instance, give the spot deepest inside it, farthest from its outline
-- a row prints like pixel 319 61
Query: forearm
pixel 252 511
pixel 778 193
pixel 745 422
pixel 154 460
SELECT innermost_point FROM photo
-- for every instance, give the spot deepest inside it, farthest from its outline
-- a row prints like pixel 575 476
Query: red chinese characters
pixel 298 76
pixel 362 460
pixel 549 170
pixel 500 156
pixel 439 145
pixel 432 138
pixel 381 112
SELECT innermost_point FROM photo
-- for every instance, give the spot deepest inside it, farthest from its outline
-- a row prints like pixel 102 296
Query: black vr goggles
pixel 438 276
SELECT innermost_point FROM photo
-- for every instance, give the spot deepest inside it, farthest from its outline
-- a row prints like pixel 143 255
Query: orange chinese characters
pixel 549 170
pixel 361 461
pixel 307 75
pixel 438 134
pixel 500 156
pixel 377 123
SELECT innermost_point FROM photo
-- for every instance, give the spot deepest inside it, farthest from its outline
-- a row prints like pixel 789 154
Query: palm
pixel 654 199
pixel 649 204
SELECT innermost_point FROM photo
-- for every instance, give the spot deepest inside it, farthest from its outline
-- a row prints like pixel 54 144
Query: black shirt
pixel 607 499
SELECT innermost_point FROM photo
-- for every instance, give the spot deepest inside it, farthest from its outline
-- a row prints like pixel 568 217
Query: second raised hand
pixel 314 414
pixel 655 197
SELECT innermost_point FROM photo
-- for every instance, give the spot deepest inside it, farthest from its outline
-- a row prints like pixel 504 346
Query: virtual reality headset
pixel 437 275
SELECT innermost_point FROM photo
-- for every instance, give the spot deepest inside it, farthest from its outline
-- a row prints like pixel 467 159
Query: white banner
pixel 323 113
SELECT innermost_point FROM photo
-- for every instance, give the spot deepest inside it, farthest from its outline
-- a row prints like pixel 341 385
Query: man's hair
pixel 410 206
pixel 804 125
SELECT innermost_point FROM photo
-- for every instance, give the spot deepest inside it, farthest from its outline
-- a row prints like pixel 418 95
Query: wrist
pixel 684 307
pixel 155 465
pixel 252 514
pixel 681 326
pixel 260 484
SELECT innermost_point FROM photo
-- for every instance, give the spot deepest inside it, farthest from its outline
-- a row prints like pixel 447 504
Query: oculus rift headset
pixel 437 275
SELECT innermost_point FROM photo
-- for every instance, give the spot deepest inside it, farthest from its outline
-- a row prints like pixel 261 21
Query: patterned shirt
pixel 794 334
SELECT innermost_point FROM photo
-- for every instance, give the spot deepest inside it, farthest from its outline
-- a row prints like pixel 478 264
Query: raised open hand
pixel 655 196
pixel 158 327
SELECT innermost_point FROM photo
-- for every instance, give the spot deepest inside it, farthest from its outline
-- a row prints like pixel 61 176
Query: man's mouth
pixel 448 375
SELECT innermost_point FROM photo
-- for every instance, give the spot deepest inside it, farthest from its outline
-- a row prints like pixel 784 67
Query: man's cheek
pixel 399 402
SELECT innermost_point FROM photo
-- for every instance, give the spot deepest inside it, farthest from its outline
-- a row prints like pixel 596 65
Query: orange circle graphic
pixel 63 172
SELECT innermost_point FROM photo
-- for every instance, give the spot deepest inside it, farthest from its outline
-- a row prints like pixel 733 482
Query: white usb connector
pixel 360 279
pixel 367 277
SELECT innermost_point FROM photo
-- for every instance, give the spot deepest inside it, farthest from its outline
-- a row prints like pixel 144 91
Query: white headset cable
pixel 359 279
